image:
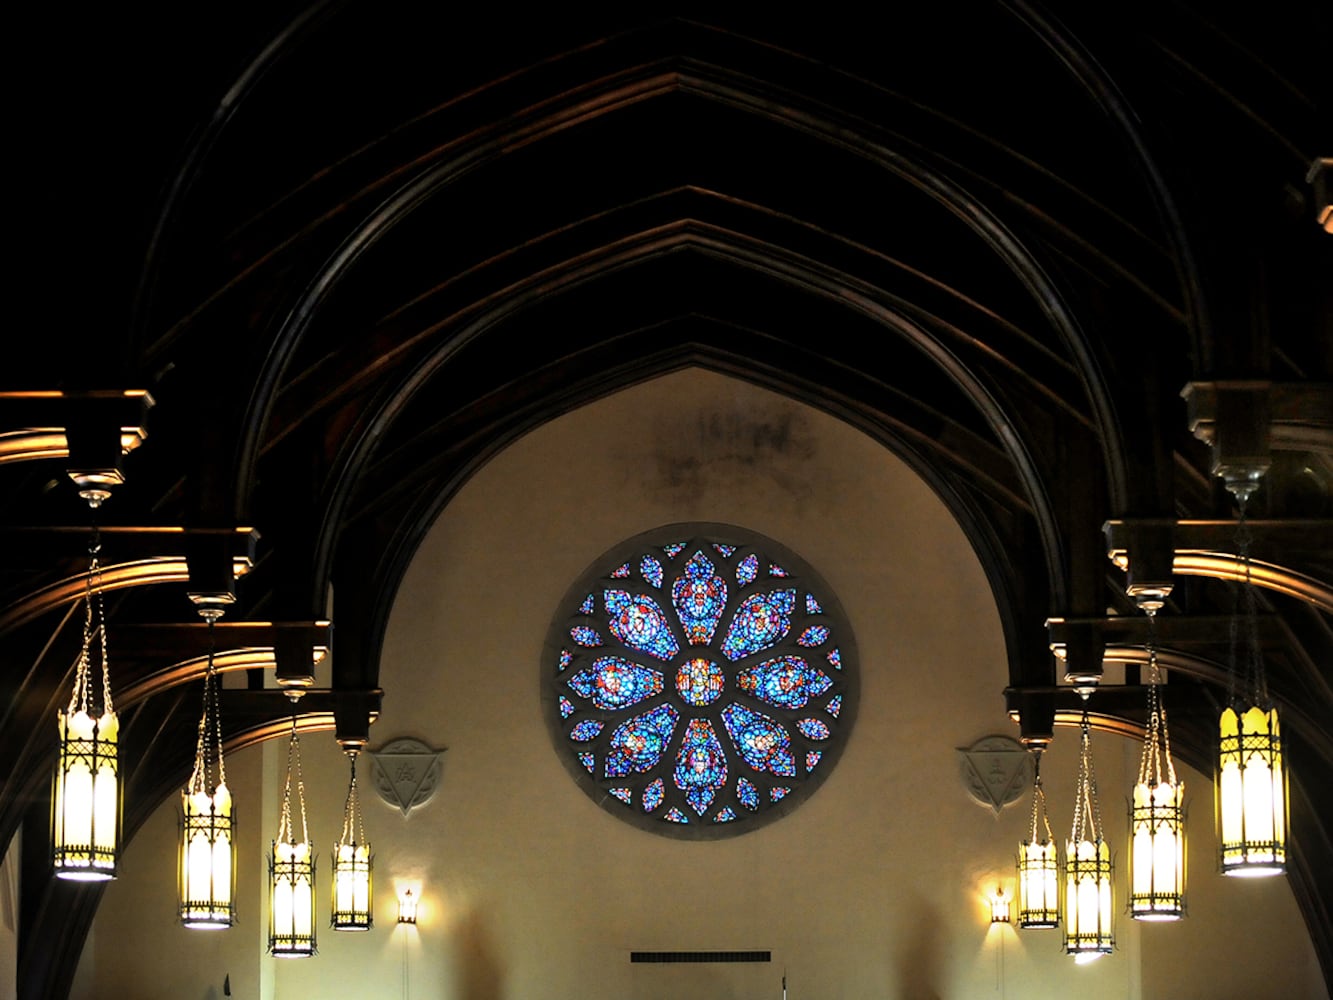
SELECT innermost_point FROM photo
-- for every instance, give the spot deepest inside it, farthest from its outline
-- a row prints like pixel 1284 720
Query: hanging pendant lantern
pixel 85 802
pixel 1088 902
pixel 1038 866
pixel 352 862
pixel 1251 792
pixel 292 870
pixel 207 847
pixel 1157 816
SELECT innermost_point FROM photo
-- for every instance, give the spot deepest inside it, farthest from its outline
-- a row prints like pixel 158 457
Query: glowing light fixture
pixel 85 802
pixel 1088 903
pixel 1251 776
pixel 407 907
pixel 292 868
pixel 207 847
pixel 1038 866
pixel 1157 815
pixel 999 906
pixel 352 862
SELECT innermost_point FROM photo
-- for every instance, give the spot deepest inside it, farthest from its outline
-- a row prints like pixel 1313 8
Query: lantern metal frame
pixel 1251 800
pixel 1157 812
pixel 1089 891
pixel 353 888
pixel 292 867
pixel 206 868
pixel 1038 864
pixel 86 792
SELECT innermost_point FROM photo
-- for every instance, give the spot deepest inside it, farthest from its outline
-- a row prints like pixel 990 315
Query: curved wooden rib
pixel 1270 576
pixel 118 576
pixel 193 669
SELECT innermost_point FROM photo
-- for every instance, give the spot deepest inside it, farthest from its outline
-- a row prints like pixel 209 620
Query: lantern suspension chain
pixel 1156 766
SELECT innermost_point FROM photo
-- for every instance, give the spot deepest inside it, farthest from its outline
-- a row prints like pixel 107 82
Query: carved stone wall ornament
pixel 405 772
pixel 996 770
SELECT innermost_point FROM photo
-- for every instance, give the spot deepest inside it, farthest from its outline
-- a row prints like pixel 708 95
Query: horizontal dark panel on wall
pixel 700 956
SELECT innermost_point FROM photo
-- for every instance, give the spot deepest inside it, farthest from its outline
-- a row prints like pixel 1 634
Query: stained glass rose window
pixel 699 680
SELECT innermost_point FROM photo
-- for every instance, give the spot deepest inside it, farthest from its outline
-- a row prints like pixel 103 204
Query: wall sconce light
pixel 999 906
pixel 407 907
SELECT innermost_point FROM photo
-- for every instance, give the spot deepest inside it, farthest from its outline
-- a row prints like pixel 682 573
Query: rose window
pixel 700 681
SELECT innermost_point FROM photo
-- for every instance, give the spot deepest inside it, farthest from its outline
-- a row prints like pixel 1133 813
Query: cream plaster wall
pixel 873 888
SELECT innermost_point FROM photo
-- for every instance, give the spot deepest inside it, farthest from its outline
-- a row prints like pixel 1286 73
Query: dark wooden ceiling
pixel 354 249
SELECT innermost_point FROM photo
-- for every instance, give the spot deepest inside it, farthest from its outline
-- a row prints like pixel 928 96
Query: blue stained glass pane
pixel 701 766
pixel 787 682
pixel 813 635
pixel 674 549
pixel 566 658
pixel 835 658
pixel 778 793
pixel 811 759
pixel 653 795
pixel 585 636
pixel 725 815
pixel 775 570
pixel 812 606
pixel 638 744
pixel 762 741
pixel 639 623
pixel 674 815
pixel 724 550
pixel 589 761
pixel 813 729
pixel 585 730
pixel 747 793
pixel 651 570
pixel 699 597
pixel 834 706
pixel 759 622
pixel 588 606
pixel 566 707
pixel 621 573
pixel 613 682
pixel 747 569
pixel 623 794
pixel 700 681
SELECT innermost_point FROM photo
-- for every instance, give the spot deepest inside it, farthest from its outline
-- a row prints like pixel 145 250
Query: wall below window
pixel 874 887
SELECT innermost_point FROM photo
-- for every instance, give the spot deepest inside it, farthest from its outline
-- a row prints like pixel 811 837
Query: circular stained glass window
pixel 700 680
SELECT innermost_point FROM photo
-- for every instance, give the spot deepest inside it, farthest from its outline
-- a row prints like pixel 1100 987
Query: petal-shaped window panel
pixel 638 622
pixel 761 621
pixel 753 681
pixel 700 596
pixel 612 682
